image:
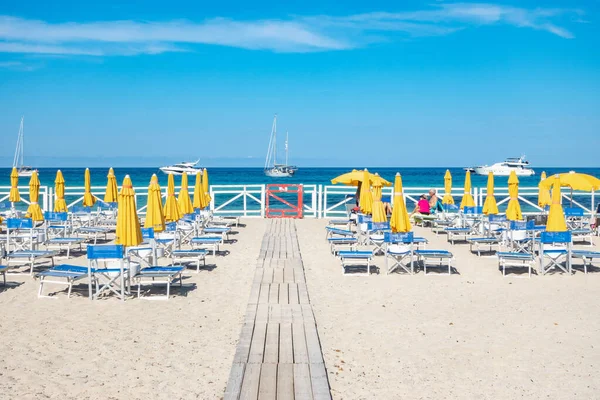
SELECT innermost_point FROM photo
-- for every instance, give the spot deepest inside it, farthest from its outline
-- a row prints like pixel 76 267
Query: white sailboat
pixel 272 168
pixel 23 170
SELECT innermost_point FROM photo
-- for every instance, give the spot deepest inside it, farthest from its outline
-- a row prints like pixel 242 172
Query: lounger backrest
pixel 573 212
pixel 81 210
pixel 450 208
pixel 147 233
pixel 497 218
pixel 363 218
pixel 473 210
pixel 4 205
pixel 378 226
pixel 399 237
pixel 50 216
pixel 555 237
pixel 105 252
pixel 521 225
pixel 19 223
pixel 171 227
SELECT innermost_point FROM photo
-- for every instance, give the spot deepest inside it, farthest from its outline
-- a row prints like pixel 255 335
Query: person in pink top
pixel 422 206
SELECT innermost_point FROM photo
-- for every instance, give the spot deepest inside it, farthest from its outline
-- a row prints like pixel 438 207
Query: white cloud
pixel 293 34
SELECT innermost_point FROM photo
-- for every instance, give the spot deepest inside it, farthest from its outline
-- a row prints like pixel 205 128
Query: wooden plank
pixel 250 313
pixel 299 343
pixel 262 314
pixel 250 384
pixel 272 344
pixel 257 347
pixel 297 317
pixel 254 292
pixel 299 275
pixel 285 382
pixel 263 297
pixel 307 314
pixel 242 350
pixel 234 383
pixel 320 383
pixel 283 293
pixel 293 294
pixel 286 314
pixel 278 275
pixel 268 382
pixel 303 293
pixel 268 275
pixel 288 275
pixel 302 385
pixel 313 346
pixel 286 351
pixel 275 313
pixel 274 293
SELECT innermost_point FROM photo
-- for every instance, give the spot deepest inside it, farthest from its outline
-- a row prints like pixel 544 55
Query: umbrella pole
pixel 571 197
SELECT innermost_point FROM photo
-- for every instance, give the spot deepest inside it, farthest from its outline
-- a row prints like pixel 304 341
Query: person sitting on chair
pixel 422 206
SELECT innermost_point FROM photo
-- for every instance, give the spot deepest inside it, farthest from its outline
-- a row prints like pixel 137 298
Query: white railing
pixel 319 201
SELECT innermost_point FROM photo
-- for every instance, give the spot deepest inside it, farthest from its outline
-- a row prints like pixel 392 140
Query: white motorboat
pixel 517 164
pixel 272 168
pixel 22 170
pixel 188 168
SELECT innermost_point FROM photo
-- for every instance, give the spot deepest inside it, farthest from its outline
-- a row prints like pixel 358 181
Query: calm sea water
pixel 412 177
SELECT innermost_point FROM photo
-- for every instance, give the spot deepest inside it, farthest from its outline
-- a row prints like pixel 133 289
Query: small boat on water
pixel 186 167
pixel 272 168
pixel 22 170
pixel 517 164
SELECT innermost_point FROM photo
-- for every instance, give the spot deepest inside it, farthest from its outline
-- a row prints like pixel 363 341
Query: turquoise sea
pixel 412 177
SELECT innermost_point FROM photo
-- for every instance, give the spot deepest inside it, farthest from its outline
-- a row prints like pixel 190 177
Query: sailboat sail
pixel 272 168
pixel 18 160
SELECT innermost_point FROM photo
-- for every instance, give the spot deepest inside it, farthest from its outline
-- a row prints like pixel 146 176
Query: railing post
pixel 212 199
pixel 48 199
pixel 320 202
pixel 262 200
pixel 245 202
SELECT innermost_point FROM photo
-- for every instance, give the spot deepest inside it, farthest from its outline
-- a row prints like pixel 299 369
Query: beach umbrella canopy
pixel 88 198
pixel 399 221
pixel 184 201
pixel 34 210
pixel 205 189
pixel 379 214
pixel 14 195
pixel 544 193
pixel 111 187
pixel 59 186
pixel 128 231
pixel 489 206
pixel 448 188
pixel 556 216
pixel 355 177
pixel 467 199
pixel 198 194
pixel 171 209
pixel 574 180
pixel 154 212
pixel 513 211
pixel 365 201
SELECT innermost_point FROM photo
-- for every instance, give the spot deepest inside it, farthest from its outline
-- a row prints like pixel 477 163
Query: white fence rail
pixel 320 201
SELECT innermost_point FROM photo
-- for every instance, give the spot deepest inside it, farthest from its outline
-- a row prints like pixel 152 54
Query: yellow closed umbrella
pixel 467 200
pixel 489 206
pixel 184 201
pixel 34 211
pixel 14 196
pixel 60 205
pixel 88 198
pixel 544 193
pixel 198 195
pixel 205 189
pixel 154 212
pixel 128 231
pixel 171 209
pixel 448 199
pixel 513 211
pixel 556 216
pixel 399 222
pixel 378 210
pixel 365 201
pixel 111 187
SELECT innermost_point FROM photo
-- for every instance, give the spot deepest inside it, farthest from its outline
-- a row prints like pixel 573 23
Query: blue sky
pixel 387 83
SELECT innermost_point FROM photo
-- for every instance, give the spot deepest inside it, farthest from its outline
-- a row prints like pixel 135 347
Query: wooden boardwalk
pixel 279 354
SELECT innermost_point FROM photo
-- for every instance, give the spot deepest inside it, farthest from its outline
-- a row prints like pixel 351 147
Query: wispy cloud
pixel 17 65
pixel 292 34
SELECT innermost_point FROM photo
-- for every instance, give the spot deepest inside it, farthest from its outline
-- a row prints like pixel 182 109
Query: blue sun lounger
pixel 355 258
pixel 64 275
pixel 342 241
pixel 190 255
pixel 158 274
pixel 210 242
pixel 453 233
pixel 478 242
pixel 30 257
pixel 586 256
pixel 514 259
pixel 435 258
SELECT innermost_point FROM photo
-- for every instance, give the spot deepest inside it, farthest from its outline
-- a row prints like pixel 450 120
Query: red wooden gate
pixel 284 201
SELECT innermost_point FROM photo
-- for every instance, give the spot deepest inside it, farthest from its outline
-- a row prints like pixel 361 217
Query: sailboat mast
pixel 286 147
pixel 22 129
pixel 270 149
pixel 19 149
pixel 275 141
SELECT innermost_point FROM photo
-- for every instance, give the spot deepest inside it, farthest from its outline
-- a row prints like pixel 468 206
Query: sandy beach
pixel 178 349
pixel 471 335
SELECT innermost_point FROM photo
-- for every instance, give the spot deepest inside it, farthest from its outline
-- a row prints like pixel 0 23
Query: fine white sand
pixel 473 335
pixel 178 349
